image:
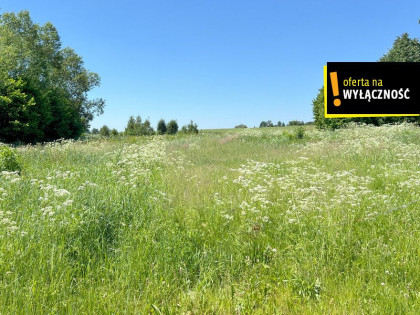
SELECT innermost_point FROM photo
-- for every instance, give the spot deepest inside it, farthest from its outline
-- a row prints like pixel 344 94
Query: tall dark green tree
pixel 147 128
pixel 161 127
pixel 131 129
pixel 172 127
pixel 54 77
pixel 15 111
pixel 404 49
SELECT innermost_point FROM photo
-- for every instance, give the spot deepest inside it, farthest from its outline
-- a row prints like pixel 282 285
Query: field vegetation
pixel 240 221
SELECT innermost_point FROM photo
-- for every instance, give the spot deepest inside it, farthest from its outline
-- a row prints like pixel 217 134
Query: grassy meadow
pixel 239 221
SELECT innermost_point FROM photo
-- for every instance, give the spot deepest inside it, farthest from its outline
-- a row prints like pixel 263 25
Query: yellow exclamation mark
pixel 336 91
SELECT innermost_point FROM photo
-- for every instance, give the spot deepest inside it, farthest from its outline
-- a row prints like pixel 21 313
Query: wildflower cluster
pixel 300 189
pixel 135 163
pixel 8 182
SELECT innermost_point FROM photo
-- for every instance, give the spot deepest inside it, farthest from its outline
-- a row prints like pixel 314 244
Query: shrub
pixel 190 128
pixel 104 131
pixel 300 133
pixel 161 127
pixel 9 159
pixel 172 127
pixel 241 126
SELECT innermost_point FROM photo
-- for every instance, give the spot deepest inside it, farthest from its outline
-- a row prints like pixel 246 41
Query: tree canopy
pixel 161 127
pixel 404 49
pixel 135 127
pixel 43 87
pixel 172 127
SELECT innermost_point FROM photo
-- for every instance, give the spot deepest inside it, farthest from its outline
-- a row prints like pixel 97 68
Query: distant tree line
pixel 269 123
pixel 137 127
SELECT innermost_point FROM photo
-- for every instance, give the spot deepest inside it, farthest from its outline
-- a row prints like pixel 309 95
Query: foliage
pixel 281 124
pixel 44 86
pixel 114 132
pixel 191 128
pixel 17 119
pixel 300 132
pixel 95 131
pixel 9 159
pixel 241 126
pixel 135 127
pixel 318 108
pixel 161 127
pixel 147 128
pixel 267 123
pixel 404 49
pixel 104 131
pixel 296 123
pixel 172 127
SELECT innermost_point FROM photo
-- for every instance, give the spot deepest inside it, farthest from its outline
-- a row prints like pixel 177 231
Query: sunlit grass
pixel 227 221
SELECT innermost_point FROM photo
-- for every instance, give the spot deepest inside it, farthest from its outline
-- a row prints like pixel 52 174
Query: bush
pixel 172 127
pixel 190 128
pixel 9 159
pixel 300 133
pixel 161 127
pixel 104 131
pixel 241 126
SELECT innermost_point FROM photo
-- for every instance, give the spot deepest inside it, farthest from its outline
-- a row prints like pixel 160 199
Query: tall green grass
pixel 228 221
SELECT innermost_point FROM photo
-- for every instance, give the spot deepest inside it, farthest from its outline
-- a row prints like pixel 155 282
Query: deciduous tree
pixel 53 78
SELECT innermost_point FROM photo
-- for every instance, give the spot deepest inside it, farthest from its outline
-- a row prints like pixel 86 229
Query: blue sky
pixel 218 62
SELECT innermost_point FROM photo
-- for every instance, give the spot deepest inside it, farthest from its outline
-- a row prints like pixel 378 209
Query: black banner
pixel 372 89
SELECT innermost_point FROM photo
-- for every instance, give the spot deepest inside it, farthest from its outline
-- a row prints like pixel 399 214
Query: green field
pixel 240 221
